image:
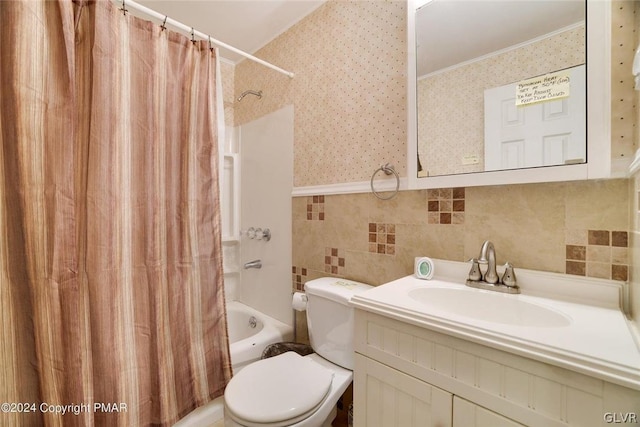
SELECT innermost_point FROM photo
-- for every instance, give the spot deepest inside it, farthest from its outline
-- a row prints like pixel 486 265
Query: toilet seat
pixel 278 391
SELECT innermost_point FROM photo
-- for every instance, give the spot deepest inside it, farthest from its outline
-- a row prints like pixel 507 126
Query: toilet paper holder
pixel 299 301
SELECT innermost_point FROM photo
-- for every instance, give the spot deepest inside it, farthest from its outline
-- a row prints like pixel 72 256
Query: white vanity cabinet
pixel 467 413
pixel 414 402
pixel 408 375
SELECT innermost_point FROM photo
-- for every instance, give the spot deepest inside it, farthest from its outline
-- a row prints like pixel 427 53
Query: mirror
pixel 476 60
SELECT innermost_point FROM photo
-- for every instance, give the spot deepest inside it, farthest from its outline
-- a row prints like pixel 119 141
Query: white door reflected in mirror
pixel 547 133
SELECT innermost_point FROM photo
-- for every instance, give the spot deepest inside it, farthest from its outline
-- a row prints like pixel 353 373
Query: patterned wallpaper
pixel 625 117
pixel 624 41
pixel 227 70
pixel 451 104
pixel 349 90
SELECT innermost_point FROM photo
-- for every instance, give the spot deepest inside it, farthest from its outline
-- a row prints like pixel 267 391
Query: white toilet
pixel 292 390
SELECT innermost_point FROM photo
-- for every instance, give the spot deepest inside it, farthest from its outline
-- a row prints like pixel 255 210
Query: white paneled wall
pixel 230 209
pixel 266 165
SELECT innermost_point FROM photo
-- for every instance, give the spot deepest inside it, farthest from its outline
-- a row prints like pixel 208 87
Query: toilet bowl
pixel 301 391
pixel 306 396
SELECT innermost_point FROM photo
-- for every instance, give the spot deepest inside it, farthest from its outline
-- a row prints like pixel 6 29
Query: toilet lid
pixel 277 389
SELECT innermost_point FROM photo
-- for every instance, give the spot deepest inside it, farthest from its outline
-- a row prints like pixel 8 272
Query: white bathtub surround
pixel 266 159
pixel 230 214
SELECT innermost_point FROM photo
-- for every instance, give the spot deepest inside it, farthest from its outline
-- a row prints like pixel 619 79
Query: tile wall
pixel 573 227
pixel 598 253
pixel 446 205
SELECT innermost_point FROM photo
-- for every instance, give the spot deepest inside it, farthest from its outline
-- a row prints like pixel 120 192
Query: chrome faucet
pixel 490 279
pixel 256 263
pixel 488 256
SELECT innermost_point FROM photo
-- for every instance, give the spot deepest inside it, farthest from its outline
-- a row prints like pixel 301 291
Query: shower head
pixel 250 92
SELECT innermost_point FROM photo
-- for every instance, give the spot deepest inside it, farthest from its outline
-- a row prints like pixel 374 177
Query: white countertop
pixel 597 341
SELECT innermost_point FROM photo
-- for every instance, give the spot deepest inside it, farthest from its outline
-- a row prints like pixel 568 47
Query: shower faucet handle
pixel 259 233
pixel 251 233
pixel 264 234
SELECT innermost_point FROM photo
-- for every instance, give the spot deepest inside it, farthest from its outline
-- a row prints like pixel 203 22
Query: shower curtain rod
pixel 166 20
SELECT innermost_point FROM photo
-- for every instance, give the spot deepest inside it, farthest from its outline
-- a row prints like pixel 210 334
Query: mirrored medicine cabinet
pixel 508 92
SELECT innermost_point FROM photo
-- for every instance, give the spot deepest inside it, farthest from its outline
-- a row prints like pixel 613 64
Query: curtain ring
pixel 388 169
pixel 124 8
pixel 164 23
pixel 193 35
pixel 210 45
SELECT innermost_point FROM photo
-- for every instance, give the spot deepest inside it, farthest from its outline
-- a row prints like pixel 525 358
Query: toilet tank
pixel 330 318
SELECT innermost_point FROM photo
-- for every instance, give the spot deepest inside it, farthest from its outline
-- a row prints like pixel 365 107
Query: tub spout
pixel 256 263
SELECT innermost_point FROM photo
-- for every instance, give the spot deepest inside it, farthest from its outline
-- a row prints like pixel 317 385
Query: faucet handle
pixel 475 274
pixel 509 276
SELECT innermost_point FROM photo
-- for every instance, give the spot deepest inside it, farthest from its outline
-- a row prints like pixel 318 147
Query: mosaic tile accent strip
pixel 597 253
pixel 334 261
pixel 315 208
pixel 382 238
pixel 299 277
pixel 445 205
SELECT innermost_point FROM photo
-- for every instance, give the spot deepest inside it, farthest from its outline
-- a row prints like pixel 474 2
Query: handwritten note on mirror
pixel 543 88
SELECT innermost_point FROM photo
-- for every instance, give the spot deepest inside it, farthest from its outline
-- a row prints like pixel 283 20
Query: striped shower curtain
pixel 111 289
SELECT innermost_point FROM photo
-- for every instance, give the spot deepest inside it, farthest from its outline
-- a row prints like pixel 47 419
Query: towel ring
pixel 388 169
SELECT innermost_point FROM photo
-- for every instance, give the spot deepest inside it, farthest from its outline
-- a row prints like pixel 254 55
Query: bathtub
pixel 250 332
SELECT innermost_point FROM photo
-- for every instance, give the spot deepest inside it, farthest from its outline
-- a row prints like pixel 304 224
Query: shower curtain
pixel 111 290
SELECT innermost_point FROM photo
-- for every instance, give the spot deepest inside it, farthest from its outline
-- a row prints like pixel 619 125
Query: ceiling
pixel 451 32
pixel 457 31
pixel 244 24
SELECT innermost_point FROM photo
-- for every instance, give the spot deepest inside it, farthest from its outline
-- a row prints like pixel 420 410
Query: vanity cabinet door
pixel 385 397
pixel 468 414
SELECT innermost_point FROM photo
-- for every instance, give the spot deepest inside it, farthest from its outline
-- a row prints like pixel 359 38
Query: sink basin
pixel 489 307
